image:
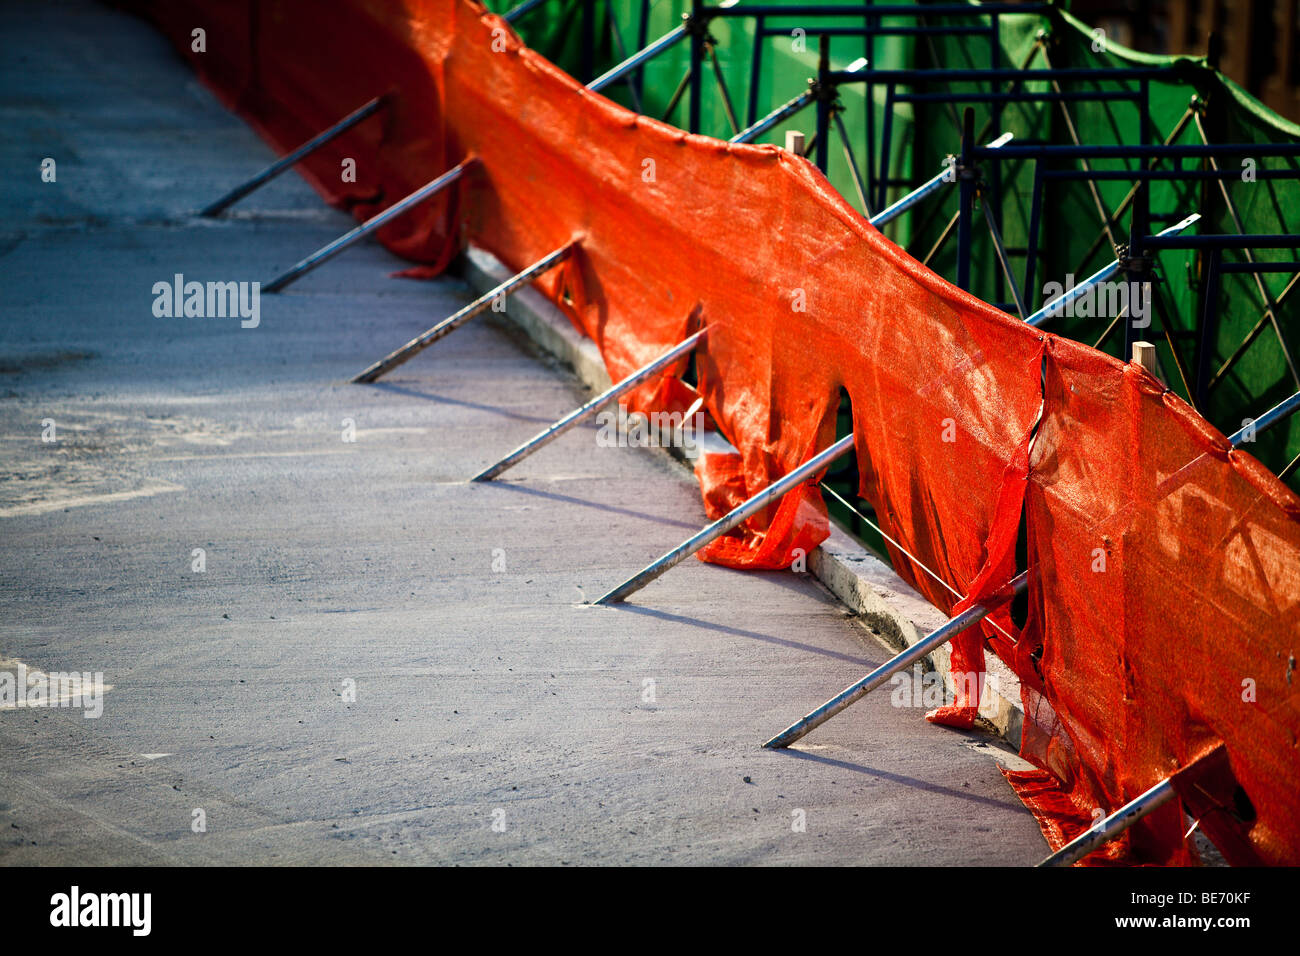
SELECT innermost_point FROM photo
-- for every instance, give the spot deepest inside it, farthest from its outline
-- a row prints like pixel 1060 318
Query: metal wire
pixel 915 560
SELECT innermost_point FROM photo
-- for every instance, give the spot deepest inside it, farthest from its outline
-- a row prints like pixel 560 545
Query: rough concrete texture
pixel 884 603
pixel 332 564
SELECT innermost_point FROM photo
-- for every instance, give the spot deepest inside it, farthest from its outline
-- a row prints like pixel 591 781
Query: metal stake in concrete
pixel 855 692
pixel 452 323
pixel 589 409
pixel 1115 824
pixel 299 154
pixel 724 524
pixel 427 191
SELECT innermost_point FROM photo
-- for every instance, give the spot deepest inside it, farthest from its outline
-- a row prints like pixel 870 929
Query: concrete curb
pixel 893 610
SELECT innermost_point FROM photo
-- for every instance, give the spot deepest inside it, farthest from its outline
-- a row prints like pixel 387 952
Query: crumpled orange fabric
pixel 1164 603
pixel 789 531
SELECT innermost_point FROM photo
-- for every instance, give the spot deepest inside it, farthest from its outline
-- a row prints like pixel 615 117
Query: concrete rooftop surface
pixel 378 662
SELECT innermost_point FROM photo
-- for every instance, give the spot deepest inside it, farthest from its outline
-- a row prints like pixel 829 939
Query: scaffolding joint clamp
pixel 1127 263
pixel 698 25
pixel 823 92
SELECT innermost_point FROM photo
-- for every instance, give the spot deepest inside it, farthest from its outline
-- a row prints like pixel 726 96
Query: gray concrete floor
pixel 327 562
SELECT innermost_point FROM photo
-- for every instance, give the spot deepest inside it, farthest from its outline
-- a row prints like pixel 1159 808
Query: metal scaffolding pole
pixel 1057 306
pixel 637 59
pixel 932 185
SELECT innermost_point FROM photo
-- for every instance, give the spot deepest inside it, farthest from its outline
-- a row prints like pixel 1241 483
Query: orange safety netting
pixel 1165 593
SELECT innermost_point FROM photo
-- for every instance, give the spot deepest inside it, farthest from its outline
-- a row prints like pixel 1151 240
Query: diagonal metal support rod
pixel 510 16
pixel 787 109
pixel 722 87
pixel 328 252
pixel 935 639
pixel 290 159
pixel 1112 826
pixel 1057 306
pixel 637 59
pixel 1004 259
pixel 852 162
pixel 1107 829
pixel 928 188
pixel 678 93
pixel 617 36
pixel 1279 412
pixel 1282 475
pixel 576 417
pixel 1181 782
pixel 1123 313
pixel 728 521
pixel 1252 335
pixel 1270 304
pixel 781 113
pixel 453 322
pixel 943 237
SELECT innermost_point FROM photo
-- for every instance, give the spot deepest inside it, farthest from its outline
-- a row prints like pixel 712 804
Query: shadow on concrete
pixel 740 632
pixel 443 400
pixel 1012 806
pixel 569 499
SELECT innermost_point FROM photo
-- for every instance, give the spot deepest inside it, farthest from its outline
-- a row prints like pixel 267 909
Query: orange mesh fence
pixel 1168 603
pixel 1165 593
